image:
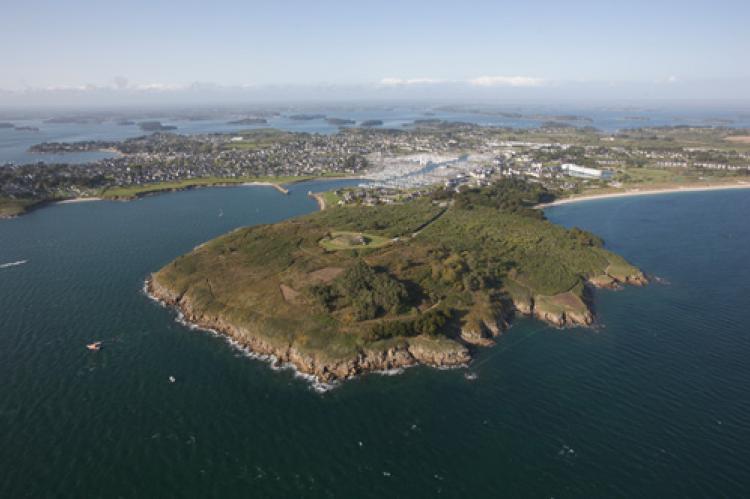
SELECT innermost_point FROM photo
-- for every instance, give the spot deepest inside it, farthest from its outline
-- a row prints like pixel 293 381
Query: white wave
pixel 392 372
pixel 12 264
pixel 273 361
pixel 450 368
pixel 150 296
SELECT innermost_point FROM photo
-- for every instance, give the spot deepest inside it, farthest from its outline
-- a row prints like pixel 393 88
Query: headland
pixel 351 290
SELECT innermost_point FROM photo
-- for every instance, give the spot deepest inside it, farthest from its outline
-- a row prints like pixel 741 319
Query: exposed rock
pixel 564 309
pixel 477 333
pixel 523 306
pixel 603 281
pixel 438 352
pixel 554 318
pixel 496 327
pixel 638 279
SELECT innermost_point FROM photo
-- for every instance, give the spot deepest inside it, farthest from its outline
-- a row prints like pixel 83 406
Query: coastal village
pixel 397 163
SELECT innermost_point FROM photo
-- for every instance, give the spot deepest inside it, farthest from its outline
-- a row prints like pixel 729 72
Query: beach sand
pixel 78 200
pixel 321 201
pixel 645 192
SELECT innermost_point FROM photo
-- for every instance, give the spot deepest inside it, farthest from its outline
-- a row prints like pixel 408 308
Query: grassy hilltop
pixel 358 288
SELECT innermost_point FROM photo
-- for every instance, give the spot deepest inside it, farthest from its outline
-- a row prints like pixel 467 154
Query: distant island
pixel 7 125
pixel 248 121
pixel 155 126
pixel 67 120
pixel 340 121
pixel 306 117
pixel 371 123
pixel 356 289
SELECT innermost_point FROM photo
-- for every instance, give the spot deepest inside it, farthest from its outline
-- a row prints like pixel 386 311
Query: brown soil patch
pixel 290 294
pixel 325 275
pixel 567 300
pixel 742 139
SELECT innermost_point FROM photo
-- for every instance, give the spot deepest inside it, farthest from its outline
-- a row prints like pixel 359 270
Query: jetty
pixel 278 187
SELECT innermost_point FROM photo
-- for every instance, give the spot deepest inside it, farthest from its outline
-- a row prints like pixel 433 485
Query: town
pixel 397 163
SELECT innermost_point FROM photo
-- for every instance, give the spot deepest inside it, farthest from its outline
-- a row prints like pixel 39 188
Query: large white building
pixel 585 172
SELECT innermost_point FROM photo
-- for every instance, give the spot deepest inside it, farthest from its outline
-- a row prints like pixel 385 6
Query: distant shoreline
pixel 647 192
pixel 279 186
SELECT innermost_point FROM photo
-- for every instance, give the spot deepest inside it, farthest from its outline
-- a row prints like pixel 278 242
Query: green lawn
pixel 345 240
pixel 134 191
pixel 331 198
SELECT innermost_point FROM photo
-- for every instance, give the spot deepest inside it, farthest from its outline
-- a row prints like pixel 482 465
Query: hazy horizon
pixel 87 53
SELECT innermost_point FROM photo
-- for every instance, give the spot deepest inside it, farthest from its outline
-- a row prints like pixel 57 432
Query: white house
pixel 585 172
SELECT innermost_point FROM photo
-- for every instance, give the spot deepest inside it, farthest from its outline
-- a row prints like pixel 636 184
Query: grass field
pixel 135 191
pixel 343 240
pixel 723 139
pixel 260 138
pixel 331 198
pixel 13 207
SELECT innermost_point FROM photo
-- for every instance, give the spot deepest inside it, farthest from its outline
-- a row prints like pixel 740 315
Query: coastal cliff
pixel 381 356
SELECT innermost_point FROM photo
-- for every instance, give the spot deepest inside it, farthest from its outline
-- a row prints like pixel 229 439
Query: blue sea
pixel 651 402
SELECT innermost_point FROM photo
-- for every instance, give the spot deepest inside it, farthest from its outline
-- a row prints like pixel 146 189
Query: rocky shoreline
pixel 418 350
pixel 434 352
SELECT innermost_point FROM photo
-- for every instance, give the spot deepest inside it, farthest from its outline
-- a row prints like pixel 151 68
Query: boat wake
pixel 12 264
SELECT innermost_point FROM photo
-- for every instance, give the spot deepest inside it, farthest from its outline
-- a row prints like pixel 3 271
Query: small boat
pixel 95 346
pixel 172 379
pixel 471 376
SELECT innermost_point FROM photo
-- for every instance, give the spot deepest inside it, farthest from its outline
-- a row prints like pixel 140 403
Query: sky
pixel 79 49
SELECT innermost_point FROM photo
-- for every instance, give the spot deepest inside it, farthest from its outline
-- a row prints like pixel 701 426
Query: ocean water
pixel 651 402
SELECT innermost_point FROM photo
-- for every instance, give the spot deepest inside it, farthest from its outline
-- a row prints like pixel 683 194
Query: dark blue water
pixel 653 402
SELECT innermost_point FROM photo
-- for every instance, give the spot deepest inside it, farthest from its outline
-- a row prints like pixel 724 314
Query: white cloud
pixel 118 84
pixel 159 87
pixel 400 82
pixel 63 88
pixel 506 81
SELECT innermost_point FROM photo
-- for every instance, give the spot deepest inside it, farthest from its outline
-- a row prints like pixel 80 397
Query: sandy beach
pixel 645 192
pixel 320 200
pixel 78 200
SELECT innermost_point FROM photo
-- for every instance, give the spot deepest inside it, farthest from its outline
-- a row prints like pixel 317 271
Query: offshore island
pixel 355 289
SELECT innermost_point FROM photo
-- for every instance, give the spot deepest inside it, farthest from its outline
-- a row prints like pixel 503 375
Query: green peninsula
pixel 355 289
